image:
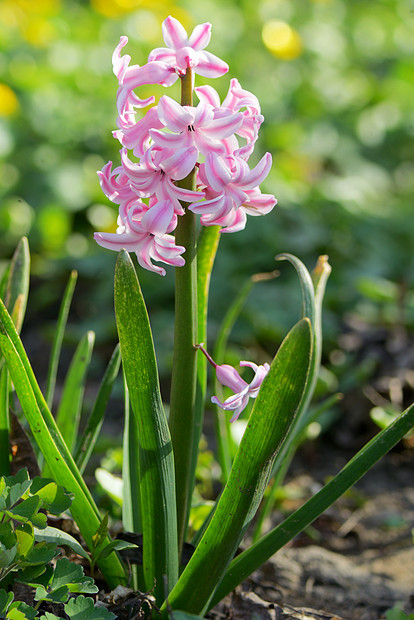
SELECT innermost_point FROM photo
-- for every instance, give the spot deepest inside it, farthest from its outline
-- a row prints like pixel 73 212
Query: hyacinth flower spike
pixel 228 376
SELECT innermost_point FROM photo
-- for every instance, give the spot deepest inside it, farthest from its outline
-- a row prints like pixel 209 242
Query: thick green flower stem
pixel 184 373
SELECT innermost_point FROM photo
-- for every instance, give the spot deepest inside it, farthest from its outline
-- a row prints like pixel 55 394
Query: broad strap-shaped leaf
pixel 251 559
pixel 269 421
pixel 156 464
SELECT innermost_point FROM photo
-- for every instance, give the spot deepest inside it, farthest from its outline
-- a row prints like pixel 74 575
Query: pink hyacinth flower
pixel 145 233
pixel 232 185
pixel 194 126
pixel 157 170
pixel 228 376
pixel 131 77
pixel 183 52
pixel 236 100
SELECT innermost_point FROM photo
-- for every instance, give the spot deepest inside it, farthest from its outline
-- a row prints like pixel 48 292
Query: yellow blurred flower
pixel 38 32
pixel 8 101
pixel 39 7
pixel 282 40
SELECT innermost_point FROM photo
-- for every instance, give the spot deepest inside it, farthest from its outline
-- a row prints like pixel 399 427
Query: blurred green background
pixel 336 83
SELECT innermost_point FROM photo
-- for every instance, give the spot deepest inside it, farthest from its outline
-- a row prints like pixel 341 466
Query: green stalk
pixel 208 241
pixel 184 373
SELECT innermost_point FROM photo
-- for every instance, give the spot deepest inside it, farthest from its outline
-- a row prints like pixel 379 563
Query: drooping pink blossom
pixel 228 376
pixel 155 173
pixel 136 136
pixel 236 100
pixel 144 231
pixel 183 52
pixel 131 77
pixel 232 191
pixel 194 126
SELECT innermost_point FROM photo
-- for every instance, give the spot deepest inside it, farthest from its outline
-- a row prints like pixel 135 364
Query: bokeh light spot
pixel 8 101
pixel 102 218
pixel 54 226
pixel 282 40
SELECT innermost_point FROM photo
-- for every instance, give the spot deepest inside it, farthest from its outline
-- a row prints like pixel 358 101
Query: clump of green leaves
pixel 28 546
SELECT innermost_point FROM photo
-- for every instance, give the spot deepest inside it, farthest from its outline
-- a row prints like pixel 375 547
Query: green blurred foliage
pixel 335 81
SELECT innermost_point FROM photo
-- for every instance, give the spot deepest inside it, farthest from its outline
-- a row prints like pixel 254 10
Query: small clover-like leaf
pixel 21 611
pixel 7 555
pixel 15 613
pixel 26 510
pixel 41 553
pixel 17 491
pixel 86 586
pixel 55 499
pixel 21 476
pixel 25 538
pixel 71 575
pixel 82 608
pixel 38 575
pixel 58 595
pixel 66 572
pixel 7 535
pixel 5 600
pixel 39 520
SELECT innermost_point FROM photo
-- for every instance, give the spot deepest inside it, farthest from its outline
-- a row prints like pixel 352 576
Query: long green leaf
pixel 251 559
pixel 131 498
pixel 8 329
pixel 58 338
pixel 269 421
pixel 93 426
pixel 311 308
pixel 83 509
pixel 313 290
pixel 131 501
pixel 156 464
pixel 69 411
pixel 15 290
pixel 4 422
